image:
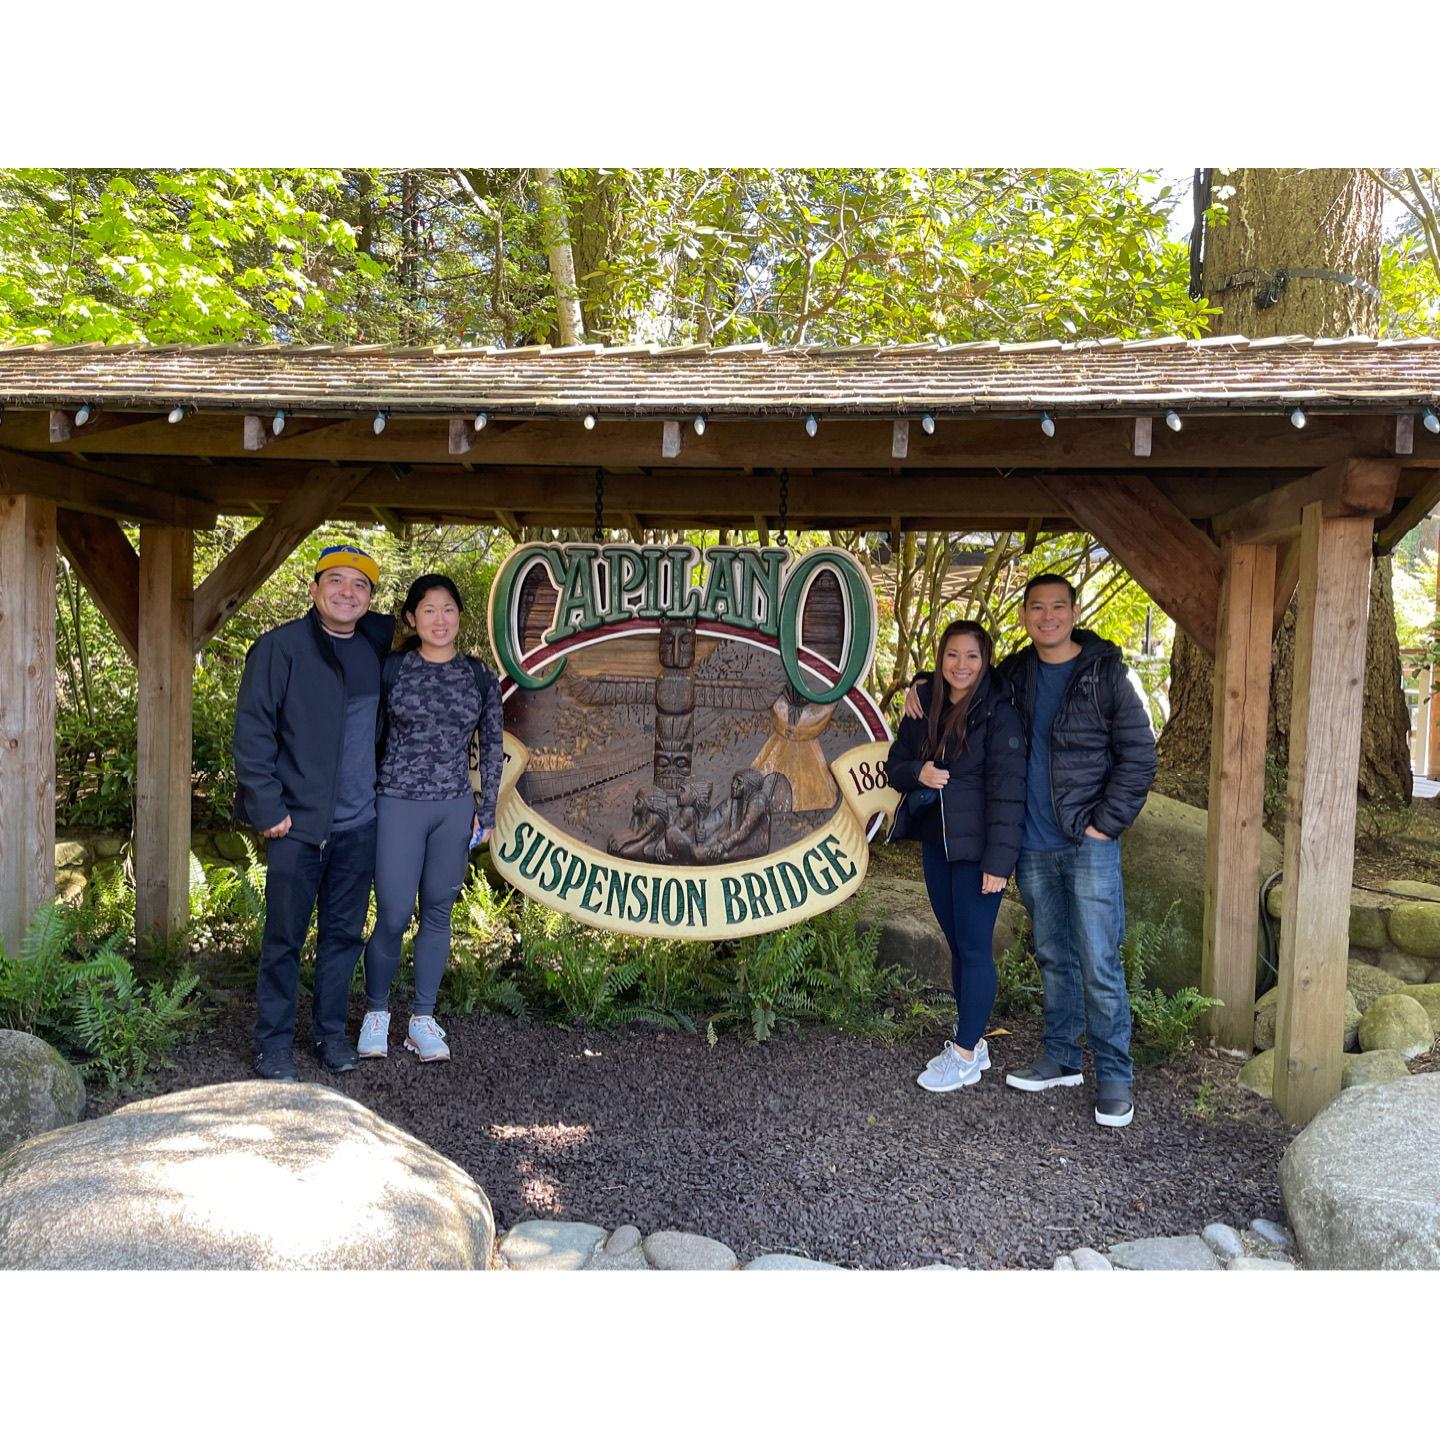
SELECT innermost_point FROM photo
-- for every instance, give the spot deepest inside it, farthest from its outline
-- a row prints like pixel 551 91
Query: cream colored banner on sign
pixel 745 897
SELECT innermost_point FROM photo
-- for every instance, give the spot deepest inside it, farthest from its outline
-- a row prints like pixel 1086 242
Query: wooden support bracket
pixel 256 558
pixel 109 568
pixel 1360 486
pixel 1176 563
pixel 100 494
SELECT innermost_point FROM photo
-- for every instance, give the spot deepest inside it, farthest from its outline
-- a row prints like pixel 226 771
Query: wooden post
pixel 1237 790
pixel 1334 597
pixel 27 711
pixel 162 789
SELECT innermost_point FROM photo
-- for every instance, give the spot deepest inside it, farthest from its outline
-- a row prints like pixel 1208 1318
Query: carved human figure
pixel 645 840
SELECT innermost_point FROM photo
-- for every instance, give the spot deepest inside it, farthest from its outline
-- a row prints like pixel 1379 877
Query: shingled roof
pixel 1222 373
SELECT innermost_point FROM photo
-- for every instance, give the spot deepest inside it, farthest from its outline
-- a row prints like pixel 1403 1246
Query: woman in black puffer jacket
pixel 962 771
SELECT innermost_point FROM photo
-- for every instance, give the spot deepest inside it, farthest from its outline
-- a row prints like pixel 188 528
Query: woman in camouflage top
pixel 432 701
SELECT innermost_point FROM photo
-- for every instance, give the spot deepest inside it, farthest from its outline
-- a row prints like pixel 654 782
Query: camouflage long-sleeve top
pixel 431 713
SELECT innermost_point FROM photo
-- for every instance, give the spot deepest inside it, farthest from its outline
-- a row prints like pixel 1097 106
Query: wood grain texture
pixel 1235 822
pixel 1177 564
pixel 100 494
pixel 257 557
pixel 1358 486
pixel 163 768
pixel 27 711
pixel 1320 825
pixel 109 569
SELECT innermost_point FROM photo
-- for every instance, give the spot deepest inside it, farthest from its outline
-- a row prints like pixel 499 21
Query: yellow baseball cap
pixel 352 556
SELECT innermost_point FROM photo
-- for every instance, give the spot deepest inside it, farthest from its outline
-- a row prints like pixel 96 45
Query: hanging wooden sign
pixel 688 750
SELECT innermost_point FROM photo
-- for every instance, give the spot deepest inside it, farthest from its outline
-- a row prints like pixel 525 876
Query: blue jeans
pixel 1077 907
pixel 967 918
pixel 336 876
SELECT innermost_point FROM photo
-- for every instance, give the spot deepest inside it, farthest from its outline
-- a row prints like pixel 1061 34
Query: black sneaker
pixel 336 1054
pixel 1114 1104
pixel 279 1066
pixel 1043 1074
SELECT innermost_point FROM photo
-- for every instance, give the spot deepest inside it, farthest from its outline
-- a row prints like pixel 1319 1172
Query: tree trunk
pixel 555 234
pixel 1282 221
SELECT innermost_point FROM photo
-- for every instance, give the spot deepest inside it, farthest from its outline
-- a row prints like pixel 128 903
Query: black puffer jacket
pixel 1102 747
pixel 983 806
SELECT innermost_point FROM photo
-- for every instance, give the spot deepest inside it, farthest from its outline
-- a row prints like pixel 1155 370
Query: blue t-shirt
pixel 355 789
pixel 1042 832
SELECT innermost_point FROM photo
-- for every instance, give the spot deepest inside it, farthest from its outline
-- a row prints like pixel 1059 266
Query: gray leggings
pixel 421 848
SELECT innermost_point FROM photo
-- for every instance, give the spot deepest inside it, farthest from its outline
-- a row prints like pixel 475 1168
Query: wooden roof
pixel 1224 374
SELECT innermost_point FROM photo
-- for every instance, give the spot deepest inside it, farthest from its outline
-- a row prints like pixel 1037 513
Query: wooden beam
pixel 633 526
pixel 1177 564
pixel 762 529
pixel 1250 443
pixel 257 557
pixel 1320 816
pixel 65 431
pixel 27 711
pixel 511 524
pixel 100 494
pixel 1351 487
pixel 108 567
pixel 163 765
pixel 1287 577
pixel 1416 508
pixel 1235 823
pixel 390 519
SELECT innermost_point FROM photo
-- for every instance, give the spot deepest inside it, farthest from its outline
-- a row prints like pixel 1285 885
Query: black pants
pixel 337 876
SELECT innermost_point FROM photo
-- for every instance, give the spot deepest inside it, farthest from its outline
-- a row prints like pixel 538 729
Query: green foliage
pixel 93 1007
pixel 126 1028
pixel 227 905
pixel 1018 988
pixel 481 945
pixel 763 986
pixel 1164 1025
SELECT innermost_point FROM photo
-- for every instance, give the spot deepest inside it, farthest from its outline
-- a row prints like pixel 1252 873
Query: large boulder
pixel 909 933
pixel 40 1089
pixel 1415 928
pixel 1373 1067
pixel 252 1176
pixel 1367 983
pixel 1397 1022
pixel 1429 999
pixel 1267 1006
pixel 1362 1182
pixel 1162 858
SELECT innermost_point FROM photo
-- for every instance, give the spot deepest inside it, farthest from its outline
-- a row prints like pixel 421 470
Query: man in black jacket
pixel 305 735
pixel 1091 764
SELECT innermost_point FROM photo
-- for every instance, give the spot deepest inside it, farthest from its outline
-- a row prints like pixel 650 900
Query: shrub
pixel 1164 1025
pixel 1018 987
pixel 482 944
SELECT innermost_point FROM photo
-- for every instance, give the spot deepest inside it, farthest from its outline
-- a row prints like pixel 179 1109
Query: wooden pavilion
pixel 1221 472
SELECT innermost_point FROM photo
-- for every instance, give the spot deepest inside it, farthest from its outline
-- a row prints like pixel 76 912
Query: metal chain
pixel 599 534
pixel 784 506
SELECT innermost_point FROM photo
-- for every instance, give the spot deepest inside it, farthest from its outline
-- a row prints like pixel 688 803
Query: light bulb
pixel 589 422
pixel 1297 418
pixel 481 420
pixel 176 415
pixel 1047 425
pixel 379 425
pixel 699 424
pixel 927 424
pixel 811 426
pixel 83 414
pixel 1172 419
pixel 1432 421
pixel 278 423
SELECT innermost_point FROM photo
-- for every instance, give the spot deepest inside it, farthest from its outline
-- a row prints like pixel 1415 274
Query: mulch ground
pixel 815 1143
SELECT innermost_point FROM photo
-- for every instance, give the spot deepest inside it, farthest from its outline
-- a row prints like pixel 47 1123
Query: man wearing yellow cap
pixel 306 723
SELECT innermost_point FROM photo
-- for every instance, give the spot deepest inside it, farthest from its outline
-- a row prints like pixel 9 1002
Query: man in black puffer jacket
pixel 1091 764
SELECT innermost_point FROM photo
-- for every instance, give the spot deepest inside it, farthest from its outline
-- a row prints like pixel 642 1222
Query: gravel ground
pixel 816 1143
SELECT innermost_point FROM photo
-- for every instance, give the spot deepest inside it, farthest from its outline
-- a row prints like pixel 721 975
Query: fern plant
pixel 126 1028
pixel 1164 1025
pixel 763 989
pixel 37 985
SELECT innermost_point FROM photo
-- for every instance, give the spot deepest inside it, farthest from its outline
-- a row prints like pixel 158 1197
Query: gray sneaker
pixel 426 1038
pixel 1114 1104
pixel 953 1071
pixel 982 1054
pixel 1043 1074
pixel 374 1041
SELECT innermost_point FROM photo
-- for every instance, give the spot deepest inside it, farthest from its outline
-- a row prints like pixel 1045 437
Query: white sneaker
pixel 982 1054
pixel 374 1043
pixel 426 1038
pixel 953 1071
